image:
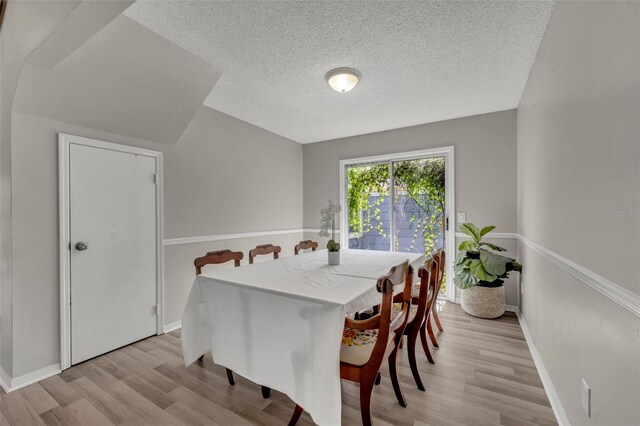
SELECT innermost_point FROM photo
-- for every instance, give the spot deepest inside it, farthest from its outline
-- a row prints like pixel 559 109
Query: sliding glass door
pixel 398 203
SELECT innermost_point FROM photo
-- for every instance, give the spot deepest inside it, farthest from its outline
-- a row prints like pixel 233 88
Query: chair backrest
pixel 401 274
pixel 264 249
pixel 217 257
pixel 441 258
pixel 428 274
pixel 305 245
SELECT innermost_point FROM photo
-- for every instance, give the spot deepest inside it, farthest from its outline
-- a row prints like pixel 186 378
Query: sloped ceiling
pixel 421 61
pixel 126 80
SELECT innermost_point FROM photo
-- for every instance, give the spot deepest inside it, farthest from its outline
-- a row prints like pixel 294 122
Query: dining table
pixel 279 323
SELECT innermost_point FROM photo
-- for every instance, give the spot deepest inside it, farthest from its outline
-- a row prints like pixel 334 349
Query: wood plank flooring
pixel 484 375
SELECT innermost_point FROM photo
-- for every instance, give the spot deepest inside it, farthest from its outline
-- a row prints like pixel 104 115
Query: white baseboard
pixel 5 380
pixel 11 384
pixel 168 328
pixel 511 308
pixel 554 399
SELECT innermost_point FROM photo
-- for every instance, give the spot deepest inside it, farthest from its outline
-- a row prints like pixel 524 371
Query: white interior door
pixel 113 262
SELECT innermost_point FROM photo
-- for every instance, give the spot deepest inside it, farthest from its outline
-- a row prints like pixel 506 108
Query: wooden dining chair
pixel 305 245
pixel 216 258
pixel 368 343
pixel 264 249
pixel 422 295
pixel 440 258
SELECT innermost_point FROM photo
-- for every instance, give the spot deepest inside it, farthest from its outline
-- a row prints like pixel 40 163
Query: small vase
pixel 334 258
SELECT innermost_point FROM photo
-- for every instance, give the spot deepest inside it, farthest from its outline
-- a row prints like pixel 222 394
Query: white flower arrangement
pixel 328 220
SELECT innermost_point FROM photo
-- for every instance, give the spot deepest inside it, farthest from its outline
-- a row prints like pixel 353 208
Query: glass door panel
pixel 369 206
pixel 419 205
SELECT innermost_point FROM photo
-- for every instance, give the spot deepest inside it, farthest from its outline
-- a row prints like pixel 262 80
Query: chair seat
pixel 357 345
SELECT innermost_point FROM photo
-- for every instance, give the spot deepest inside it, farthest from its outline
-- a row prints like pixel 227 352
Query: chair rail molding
pixel 613 291
pixel 493 235
pixel 317 230
pixel 221 237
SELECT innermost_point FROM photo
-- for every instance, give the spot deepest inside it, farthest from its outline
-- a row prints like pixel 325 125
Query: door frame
pixel 450 198
pixel 64 143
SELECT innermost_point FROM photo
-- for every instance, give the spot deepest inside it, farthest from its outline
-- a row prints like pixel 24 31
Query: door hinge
pixel 154 178
pixel 447 224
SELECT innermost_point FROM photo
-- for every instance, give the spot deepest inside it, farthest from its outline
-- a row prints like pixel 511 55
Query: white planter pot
pixel 483 302
pixel 334 258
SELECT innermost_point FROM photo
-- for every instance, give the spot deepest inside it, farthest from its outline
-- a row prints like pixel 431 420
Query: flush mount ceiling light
pixel 343 79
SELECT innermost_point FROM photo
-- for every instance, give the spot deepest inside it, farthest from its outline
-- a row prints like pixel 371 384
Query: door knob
pixel 80 246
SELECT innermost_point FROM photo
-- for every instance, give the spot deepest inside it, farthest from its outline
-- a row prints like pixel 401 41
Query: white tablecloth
pixel 279 323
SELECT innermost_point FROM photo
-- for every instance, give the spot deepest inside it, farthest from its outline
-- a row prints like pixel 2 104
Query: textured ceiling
pixel 421 61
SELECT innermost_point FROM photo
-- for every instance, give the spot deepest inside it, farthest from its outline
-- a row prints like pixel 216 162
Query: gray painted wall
pixel 485 169
pixel 214 169
pixel 226 176
pixel 579 156
pixel 208 174
pixel 24 27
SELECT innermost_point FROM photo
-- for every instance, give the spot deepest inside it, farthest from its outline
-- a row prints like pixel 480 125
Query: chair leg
pixel 230 377
pixel 411 351
pixel 378 378
pixel 436 318
pixel 432 335
pixel 393 363
pixel 266 392
pixel 297 412
pixel 366 388
pixel 425 344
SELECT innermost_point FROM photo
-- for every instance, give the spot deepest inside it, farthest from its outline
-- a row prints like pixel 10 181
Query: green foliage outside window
pixel 421 181
pixel 364 181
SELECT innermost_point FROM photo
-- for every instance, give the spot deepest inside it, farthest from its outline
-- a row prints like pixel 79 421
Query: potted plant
pixel 480 273
pixel 329 221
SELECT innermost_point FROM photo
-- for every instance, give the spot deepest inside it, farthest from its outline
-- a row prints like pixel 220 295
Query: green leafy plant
pixel 333 246
pixel 476 265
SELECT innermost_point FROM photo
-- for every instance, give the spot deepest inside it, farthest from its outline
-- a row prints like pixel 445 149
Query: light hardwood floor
pixel 484 375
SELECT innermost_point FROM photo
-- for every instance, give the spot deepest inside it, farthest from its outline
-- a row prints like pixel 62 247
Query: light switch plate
pixel 461 218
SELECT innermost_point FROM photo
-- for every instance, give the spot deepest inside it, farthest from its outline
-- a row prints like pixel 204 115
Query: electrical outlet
pixel 586 398
pixel 461 218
